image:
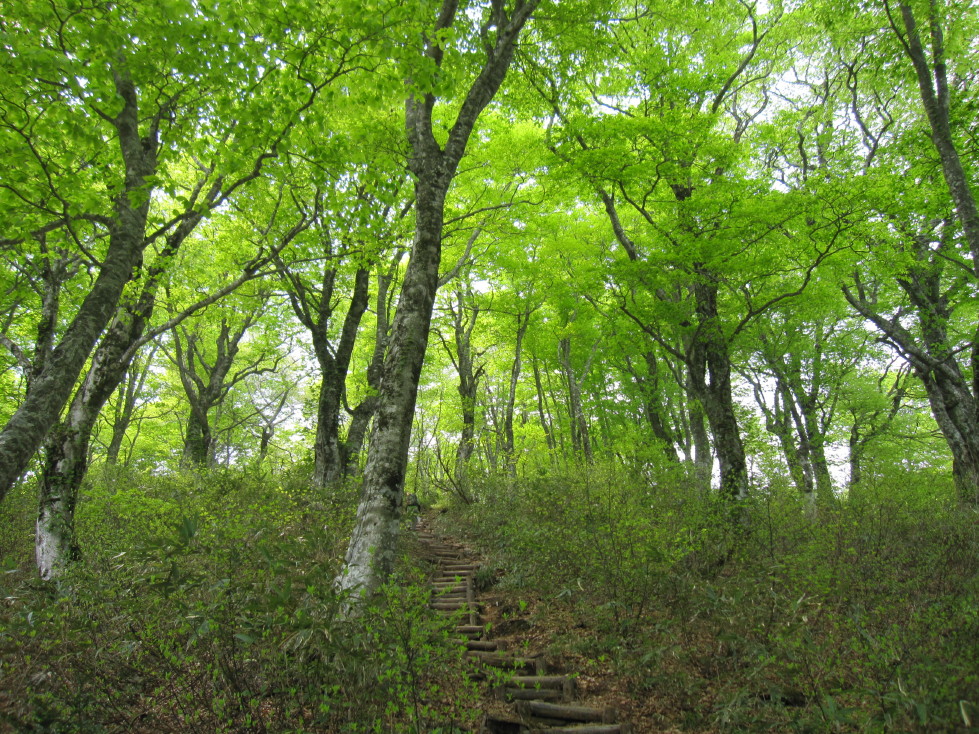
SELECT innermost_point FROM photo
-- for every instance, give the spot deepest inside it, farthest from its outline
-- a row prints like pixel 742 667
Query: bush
pixel 863 618
pixel 207 604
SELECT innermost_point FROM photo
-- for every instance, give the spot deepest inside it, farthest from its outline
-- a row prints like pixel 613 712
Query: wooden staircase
pixel 534 702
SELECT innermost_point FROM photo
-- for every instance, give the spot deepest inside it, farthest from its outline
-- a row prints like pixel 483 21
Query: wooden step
pixel 471 630
pixel 565 712
pixel 529 694
pixel 451 606
pixel 458 599
pixel 484 645
pixel 561 685
pixel 525 666
pixel 586 729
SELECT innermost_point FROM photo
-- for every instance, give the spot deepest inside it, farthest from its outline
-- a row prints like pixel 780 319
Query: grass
pixel 206 604
pixel 863 619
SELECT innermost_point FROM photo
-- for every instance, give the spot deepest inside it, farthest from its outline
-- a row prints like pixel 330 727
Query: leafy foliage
pixel 860 621
pixel 208 604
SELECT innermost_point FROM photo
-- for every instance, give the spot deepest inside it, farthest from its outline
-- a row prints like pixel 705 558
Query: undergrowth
pixel 205 603
pixel 864 618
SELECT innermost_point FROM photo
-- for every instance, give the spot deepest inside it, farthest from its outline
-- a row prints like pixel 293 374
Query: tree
pixel 634 159
pixel 209 367
pixel 464 310
pixel 138 118
pixel 923 238
pixel 370 556
pixel 356 213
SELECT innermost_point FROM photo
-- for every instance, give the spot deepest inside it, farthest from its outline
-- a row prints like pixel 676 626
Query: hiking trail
pixel 522 697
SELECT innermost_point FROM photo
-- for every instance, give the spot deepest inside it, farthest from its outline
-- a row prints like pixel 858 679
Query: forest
pixel 667 310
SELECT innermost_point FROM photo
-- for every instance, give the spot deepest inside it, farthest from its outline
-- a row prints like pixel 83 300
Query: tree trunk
pixel 64 468
pixel 856 448
pixel 523 321
pixel 957 414
pixel 328 464
pixel 364 412
pixel 468 388
pixel 197 441
pixel 580 438
pixel 934 92
pixel 370 556
pixel 330 459
pixel 703 455
pixel 66 451
pixel 952 398
pixel 649 385
pixel 127 395
pixel 545 421
pixel 207 381
pixel 710 372
pixel 53 385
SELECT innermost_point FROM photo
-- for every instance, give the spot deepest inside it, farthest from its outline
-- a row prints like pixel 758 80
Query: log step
pixel 470 629
pixel 562 687
pixel 452 606
pixel 529 694
pixel 564 712
pixel 540 701
pixel 484 645
pixel 527 666
pixel 540 681
pixel 587 729
pixel 459 600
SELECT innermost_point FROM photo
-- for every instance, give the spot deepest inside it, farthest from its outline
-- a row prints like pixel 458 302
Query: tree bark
pixel 52 386
pixel 66 461
pixel 652 408
pixel 127 396
pixel 330 463
pixel 934 92
pixel 370 556
pixel 710 372
pixel 703 454
pixel 781 421
pixel 469 375
pixel 952 397
pixel 363 413
pixel 66 450
pixel 523 321
pixel 545 421
pixel 206 382
pixel 580 438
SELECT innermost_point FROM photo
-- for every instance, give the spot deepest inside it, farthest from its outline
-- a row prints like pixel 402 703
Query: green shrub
pixel 212 608
pixel 860 619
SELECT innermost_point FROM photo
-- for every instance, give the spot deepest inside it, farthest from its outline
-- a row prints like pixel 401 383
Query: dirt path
pixel 521 697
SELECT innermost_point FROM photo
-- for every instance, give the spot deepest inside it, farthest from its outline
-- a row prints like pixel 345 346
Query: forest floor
pixel 525 625
pixel 219 613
